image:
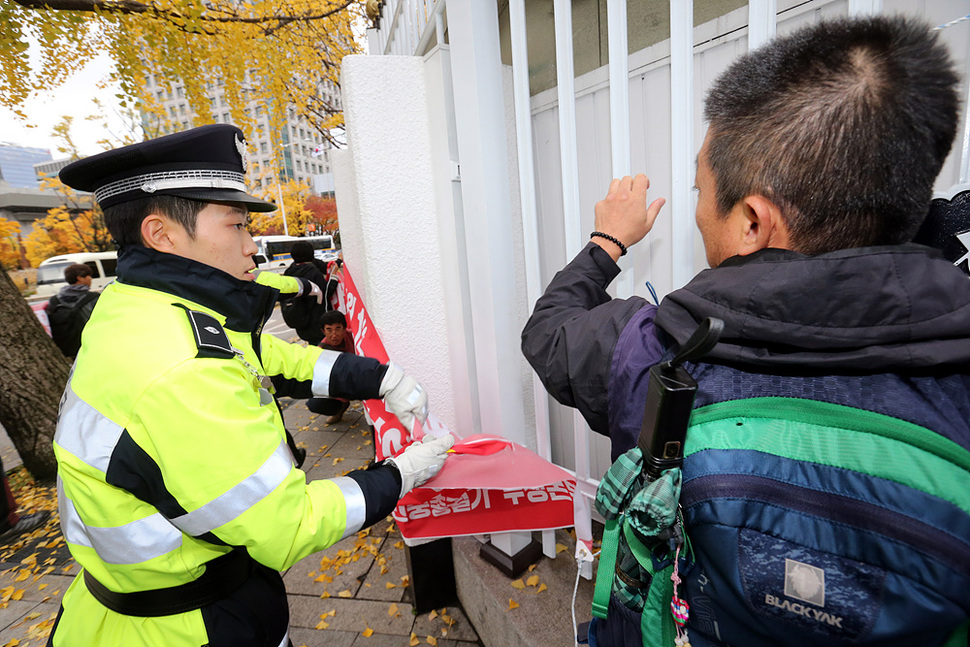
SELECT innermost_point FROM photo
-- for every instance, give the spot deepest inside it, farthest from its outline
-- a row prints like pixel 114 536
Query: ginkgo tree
pixel 280 54
pixel 77 225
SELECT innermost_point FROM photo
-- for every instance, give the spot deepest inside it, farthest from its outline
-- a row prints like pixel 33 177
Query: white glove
pixel 311 289
pixel 420 461
pixel 404 397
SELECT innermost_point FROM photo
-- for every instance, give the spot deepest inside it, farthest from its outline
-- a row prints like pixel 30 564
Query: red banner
pixel 488 484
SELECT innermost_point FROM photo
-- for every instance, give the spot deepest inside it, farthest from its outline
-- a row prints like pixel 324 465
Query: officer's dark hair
pixel 844 125
pixel 333 317
pixel 124 220
pixel 74 271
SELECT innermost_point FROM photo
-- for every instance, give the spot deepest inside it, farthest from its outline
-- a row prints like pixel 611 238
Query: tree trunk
pixel 33 372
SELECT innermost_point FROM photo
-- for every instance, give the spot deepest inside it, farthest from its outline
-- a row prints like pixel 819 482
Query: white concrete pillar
pixel 393 248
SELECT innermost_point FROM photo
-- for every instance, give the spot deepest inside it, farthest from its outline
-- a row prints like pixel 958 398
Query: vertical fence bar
pixel 864 7
pixel 761 22
pixel 682 138
pixel 965 148
pixel 568 152
pixel 569 156
pixel 620 115
pixel 530 225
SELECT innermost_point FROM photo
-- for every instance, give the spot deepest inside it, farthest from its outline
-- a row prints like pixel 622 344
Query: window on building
pixel 262 147
pixel 226 117
pixel 259 111
pixel 299 165
pixel 180 92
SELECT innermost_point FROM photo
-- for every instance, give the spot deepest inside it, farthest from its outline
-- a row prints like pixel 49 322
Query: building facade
pixel 17 165
pixel 296 152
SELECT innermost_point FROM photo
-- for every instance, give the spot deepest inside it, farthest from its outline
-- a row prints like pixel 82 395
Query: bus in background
pixel 274 251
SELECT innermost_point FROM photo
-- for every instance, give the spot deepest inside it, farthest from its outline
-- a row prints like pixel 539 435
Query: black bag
pixel 298 312
pixel 67 322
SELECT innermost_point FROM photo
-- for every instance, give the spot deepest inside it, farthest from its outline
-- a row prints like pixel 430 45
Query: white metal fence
pixel 640 113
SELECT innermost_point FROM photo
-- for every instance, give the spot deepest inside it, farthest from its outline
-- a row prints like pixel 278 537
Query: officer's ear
pixel 160 233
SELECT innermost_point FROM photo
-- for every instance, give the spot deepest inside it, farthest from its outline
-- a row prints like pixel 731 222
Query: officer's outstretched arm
pixel 287 285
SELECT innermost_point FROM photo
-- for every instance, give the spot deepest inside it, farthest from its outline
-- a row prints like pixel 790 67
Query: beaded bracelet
pixel 612 239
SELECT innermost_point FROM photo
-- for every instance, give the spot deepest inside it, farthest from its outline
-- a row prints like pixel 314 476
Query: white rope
pixel 952 22
pixel 572 608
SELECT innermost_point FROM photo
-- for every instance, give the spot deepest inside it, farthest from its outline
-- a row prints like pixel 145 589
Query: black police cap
pixel 207 163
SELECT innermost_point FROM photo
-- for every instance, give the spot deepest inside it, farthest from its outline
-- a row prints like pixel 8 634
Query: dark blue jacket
pixel 884 329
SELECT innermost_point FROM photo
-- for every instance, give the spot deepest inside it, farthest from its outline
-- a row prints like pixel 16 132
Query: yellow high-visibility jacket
pixel 171 452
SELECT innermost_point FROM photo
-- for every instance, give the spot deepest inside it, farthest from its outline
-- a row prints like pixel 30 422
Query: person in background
pixel 817 170
pixel 336 337
pixel 303 314
pixel 177 492
pixel 69 310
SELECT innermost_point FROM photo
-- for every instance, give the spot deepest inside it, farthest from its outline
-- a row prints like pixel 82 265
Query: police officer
pixel 178 495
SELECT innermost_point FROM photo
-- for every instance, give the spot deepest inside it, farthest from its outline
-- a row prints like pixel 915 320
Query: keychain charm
pixel 679 608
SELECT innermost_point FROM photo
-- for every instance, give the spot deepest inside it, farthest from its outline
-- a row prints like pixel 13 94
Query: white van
pixel 50 273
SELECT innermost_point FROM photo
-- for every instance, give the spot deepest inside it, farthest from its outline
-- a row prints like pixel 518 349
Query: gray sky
pixel 74 98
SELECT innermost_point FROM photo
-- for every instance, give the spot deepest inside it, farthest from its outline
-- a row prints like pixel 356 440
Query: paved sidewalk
pixel 355 593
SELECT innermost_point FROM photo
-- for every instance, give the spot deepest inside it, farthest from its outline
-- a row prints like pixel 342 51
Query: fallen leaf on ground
pixel 513 604
pixel 518 584
pixel 533 581
pixel 367 633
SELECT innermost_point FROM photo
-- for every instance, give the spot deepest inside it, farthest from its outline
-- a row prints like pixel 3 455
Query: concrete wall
pixel 390 236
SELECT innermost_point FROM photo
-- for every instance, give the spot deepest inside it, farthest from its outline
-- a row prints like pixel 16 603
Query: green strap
pixel 604 576
pixel 655 619
pixel 960 638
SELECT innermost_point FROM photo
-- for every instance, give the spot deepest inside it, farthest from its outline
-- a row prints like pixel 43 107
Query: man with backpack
pixel 825 496
pixel 302 314
pixel 69 310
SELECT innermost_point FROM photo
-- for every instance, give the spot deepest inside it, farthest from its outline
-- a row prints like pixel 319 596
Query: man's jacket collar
pixel 890 308
pixel 244 304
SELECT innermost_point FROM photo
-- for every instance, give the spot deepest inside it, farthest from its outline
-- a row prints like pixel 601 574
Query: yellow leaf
pixel 322 625
pixel 560 548
pixel 513 604
pixel 368 632
pixel 12 643
pixel 432 641
pixel 17 595
pixel 337 460
pixel 392 610
pixel 326 594
pixel 518 584
pixel 542 587
pixel 390 585
pixel 432 615
pixel 345 594
pixel 23 576
pixel 532 567
pixel 414 640
pixel 533 581
pixel 399 544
